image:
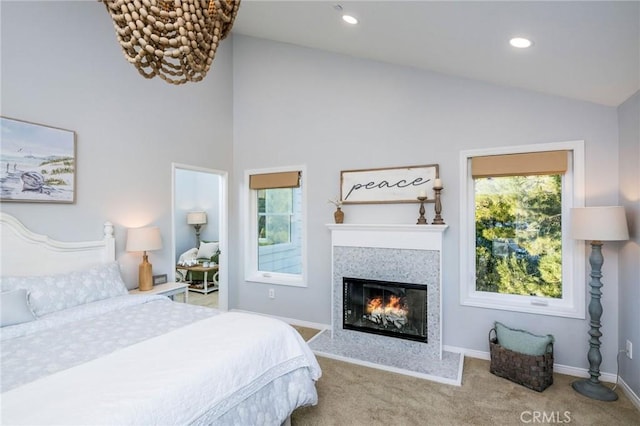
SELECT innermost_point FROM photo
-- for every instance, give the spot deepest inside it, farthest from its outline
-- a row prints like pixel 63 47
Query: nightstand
pixel 167 289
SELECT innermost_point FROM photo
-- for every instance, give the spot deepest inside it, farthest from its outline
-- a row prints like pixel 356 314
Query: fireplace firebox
pixel 387 308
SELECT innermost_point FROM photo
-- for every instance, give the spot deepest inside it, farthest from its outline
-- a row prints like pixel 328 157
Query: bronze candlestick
pixel 438 207
pixel 422 220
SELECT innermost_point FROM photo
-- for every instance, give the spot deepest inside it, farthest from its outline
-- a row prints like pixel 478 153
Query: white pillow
pixel 207 250
pixel 51 293
pixel 14 308
pixel 190 254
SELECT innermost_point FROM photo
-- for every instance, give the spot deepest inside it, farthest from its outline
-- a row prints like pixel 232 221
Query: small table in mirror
pixel 206 286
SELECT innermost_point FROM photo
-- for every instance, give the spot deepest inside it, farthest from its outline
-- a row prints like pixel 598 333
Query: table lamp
pixel 197 219
pixel 597 224
pixel 144 240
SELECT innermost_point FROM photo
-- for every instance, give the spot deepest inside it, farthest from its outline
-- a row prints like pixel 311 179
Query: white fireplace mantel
pixel 387 227
pixel 416 237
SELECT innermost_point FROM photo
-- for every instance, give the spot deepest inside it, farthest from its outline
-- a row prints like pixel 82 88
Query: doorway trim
pixel 223 231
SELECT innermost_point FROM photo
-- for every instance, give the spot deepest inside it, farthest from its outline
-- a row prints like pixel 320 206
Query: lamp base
pixel 594 390
pixel 145 278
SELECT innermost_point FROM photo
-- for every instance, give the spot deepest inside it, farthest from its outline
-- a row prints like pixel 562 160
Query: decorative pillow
pixel 51 293
pixel 522 341
pixel 190 254
pixel 207 250
pixel 14 308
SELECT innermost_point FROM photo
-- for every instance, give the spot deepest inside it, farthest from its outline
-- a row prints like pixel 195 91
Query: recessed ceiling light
pixel 520 42
pixel 349 19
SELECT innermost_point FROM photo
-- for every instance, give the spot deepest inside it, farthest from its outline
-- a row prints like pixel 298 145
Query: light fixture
pixel 597 224
pixel 144 240
pixel 173 39
pixel 349 19
pixel 520 42
pixel 197 219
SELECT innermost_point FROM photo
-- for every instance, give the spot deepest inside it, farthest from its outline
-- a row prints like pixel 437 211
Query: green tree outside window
pixel 519 235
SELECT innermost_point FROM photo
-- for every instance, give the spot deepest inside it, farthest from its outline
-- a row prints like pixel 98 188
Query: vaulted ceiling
pixel 583 50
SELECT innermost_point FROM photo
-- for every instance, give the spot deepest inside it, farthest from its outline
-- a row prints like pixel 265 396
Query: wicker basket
pixel 534 372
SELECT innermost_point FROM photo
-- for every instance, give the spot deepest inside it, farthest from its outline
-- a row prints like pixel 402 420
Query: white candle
pixel 422 193
pixel 437 183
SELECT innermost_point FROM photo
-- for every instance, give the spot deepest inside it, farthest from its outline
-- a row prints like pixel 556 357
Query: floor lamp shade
pixel 197 219
pixel 599 224
pixel 144 240
pixel 596 224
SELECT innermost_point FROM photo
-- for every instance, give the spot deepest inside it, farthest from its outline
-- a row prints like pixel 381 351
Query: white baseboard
pixel 557 368
pixel 635 399
pixel 291 321
pixel 467 352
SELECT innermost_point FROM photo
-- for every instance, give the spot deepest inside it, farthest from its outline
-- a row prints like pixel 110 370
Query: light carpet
pixel 355 395
pixel 210 300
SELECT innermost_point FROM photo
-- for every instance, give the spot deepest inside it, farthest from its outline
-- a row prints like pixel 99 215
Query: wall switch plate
pixel 272 293
pixel 629 349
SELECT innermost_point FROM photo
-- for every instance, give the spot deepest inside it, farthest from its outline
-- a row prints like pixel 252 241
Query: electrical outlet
pixel 272 293
pixel 629 349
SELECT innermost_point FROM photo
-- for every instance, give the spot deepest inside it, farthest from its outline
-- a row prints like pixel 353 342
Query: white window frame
pixel 572 304
pixel 251 272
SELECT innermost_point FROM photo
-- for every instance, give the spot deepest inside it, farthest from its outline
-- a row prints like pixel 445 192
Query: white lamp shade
pixel 599 224
pixel 144 239
pixel 196 218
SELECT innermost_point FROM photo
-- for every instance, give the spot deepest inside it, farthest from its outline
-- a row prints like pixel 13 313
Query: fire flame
pixel 394 306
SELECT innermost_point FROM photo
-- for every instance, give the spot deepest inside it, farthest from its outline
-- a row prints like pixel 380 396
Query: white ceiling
pixel 583 50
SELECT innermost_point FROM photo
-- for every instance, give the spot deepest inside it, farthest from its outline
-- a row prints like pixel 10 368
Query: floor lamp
pixel 597 224
pixel 197 219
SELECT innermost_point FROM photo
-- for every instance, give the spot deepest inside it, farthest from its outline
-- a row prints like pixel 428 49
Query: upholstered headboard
pixel 27 253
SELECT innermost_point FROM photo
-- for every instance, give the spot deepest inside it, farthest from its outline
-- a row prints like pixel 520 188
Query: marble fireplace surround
pixel 398 253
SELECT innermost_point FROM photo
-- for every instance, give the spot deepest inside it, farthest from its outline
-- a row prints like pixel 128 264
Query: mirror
pixel 199 227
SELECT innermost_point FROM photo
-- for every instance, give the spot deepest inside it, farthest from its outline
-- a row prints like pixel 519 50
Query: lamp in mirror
pixel 144 240
pixel 197 219
pixel 597 224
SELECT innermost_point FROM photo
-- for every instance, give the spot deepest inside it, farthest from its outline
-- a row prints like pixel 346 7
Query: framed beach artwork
pixel 388 185
pixel 37 163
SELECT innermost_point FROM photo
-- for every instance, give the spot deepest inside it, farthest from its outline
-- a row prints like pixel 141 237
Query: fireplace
pixel 390 254
pixel 385 307
pixel 388 260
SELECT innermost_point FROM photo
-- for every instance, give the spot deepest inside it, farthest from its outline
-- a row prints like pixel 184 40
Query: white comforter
pixel 208 366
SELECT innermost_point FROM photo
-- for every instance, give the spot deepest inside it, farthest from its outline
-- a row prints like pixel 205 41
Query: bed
pixel 76 348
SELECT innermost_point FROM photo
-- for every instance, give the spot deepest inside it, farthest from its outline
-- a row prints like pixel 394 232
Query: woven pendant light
pixel 173 39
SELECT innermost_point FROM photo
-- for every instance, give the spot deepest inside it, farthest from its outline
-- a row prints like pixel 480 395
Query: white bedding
pixel 68 338
pixel 166 379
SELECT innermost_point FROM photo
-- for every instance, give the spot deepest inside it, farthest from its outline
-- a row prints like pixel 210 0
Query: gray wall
pixel 62 66
pixel 295 105
pixel 629 311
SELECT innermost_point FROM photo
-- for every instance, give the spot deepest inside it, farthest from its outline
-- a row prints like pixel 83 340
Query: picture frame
pixel 159 279
pixel 388 185
pixel 37 163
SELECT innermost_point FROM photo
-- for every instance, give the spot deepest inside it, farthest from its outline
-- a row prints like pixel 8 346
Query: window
pixel 516 253
pixel 275 246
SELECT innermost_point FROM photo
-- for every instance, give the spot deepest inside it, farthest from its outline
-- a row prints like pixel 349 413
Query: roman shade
pixel 525 164
pixel 275 180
